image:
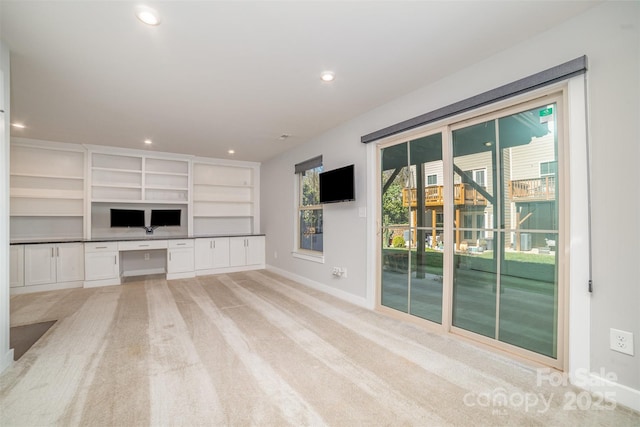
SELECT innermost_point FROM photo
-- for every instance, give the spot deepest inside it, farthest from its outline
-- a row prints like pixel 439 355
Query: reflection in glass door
pixel 505 279
pixel 412 227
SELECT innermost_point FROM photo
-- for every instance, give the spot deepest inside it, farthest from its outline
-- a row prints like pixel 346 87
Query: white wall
pixel 6 354
pixel 609 35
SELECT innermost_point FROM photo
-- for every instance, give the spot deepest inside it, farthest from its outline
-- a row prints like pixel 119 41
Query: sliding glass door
pixel 493 222
pixel 412 227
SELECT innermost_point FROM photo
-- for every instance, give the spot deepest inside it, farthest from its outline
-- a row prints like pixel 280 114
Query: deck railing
pixel 464 194
pixel 533 189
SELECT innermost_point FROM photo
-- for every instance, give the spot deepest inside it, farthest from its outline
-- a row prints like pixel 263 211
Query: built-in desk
pixel 106 261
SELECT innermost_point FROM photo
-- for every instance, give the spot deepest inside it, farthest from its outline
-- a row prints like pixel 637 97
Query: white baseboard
pixel 102 282
pixel 621 394
pixel 47 287
pixel 359 301
pixel 186 275
pixel 145 272
pixel 223 270
pixel 7 360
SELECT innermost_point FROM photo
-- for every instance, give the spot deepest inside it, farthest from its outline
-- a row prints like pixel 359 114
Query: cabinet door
pixel 255 250
pixel 221 252
pixel 101 265
pixel 17 266
pixel 70 262
pixel 237 251
pixel 180 260
pixel 203 254
pixel 39 264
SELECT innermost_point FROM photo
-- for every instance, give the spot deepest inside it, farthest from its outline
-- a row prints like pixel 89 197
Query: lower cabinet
pixel 16 266
pixel 212 253
pixel 180 258
pixel 102 262
pixel 245 251
pixel 46 264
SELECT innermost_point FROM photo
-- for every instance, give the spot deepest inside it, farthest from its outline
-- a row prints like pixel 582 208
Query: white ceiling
pixel 220 75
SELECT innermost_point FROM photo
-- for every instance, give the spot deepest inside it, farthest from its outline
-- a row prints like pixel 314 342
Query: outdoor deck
pixel 534 189
pixel 464 194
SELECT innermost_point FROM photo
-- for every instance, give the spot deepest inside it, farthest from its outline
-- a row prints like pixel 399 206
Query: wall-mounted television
pixel 127 218
pixel 165 217
pixel 338 185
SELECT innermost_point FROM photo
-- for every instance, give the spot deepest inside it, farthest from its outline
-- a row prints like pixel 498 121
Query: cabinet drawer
pixel 101 247
pixel 180 243
pixel 141 245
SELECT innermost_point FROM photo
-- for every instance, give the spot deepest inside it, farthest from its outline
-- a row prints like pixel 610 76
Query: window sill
pixel 309 256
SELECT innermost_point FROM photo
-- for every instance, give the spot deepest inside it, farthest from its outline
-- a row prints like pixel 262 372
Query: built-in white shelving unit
pixel 225 196
pixel 47 189
pixel 138 178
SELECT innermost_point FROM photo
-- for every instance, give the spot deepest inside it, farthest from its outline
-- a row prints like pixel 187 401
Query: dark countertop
pixel 121 239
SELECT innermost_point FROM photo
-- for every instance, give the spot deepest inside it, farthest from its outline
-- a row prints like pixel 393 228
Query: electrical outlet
pixel 621 341
pixel 336 271
pixel 146 257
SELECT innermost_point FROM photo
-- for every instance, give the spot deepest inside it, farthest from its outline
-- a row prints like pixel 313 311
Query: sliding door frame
pixel 557 94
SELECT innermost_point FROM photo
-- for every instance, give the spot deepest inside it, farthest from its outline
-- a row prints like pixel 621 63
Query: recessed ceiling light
pixel 147 15
pixel 148 141
pixel 231 152
pixel 18 125
pixel 327 76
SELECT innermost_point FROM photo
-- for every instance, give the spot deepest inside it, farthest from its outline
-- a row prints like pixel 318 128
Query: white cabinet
pixel 246 251
pixel 139 178
pixel 102 263
pixel 180 259
pixel 212 253
pixel 16 268
pixel 49 264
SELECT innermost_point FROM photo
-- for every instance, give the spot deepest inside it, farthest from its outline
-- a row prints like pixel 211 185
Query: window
pixel 309 224
pixel 548 168
pixel 432 180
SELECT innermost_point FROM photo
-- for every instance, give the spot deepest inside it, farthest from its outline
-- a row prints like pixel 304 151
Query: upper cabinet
pixel 139 178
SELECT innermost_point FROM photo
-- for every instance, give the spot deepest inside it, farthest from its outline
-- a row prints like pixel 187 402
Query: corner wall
pixel 609 34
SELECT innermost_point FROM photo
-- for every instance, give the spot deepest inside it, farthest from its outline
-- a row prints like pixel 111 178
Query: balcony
pixel 534 189
pixel 464 194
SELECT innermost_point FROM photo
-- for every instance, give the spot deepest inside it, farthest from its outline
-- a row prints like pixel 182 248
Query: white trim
pixel 373 225
pixel 579 304
pixel 345 296
pixel 613 391
pixel 308 257
pixel 47 287
pixel 222 270
pixel 144 272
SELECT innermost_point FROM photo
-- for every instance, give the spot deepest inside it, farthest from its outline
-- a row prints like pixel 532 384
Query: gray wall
pixel 609 35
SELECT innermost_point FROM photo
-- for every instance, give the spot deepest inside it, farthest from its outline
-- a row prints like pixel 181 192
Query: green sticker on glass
pixel 546 112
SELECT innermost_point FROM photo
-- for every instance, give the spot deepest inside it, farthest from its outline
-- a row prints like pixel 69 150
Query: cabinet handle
pixel 214 244
pixel 58 252
pixel 52 253
pixel 180 244
pixel 115 260
pixel 101 247
pixel 143 246
pixel 211 244
pixel 169 256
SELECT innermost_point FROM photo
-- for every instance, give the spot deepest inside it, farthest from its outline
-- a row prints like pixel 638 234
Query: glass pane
pixel 529 297
pixel 528 281
pixel 425 156
pixel 310 187
pixel 475 260
pixel 395 268
pixel 311 229
pixel 396 237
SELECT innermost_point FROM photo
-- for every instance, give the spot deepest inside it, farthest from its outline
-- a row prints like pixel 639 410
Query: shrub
pixel 398 242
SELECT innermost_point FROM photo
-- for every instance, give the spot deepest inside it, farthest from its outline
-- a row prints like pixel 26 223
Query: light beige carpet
pixel 257 349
